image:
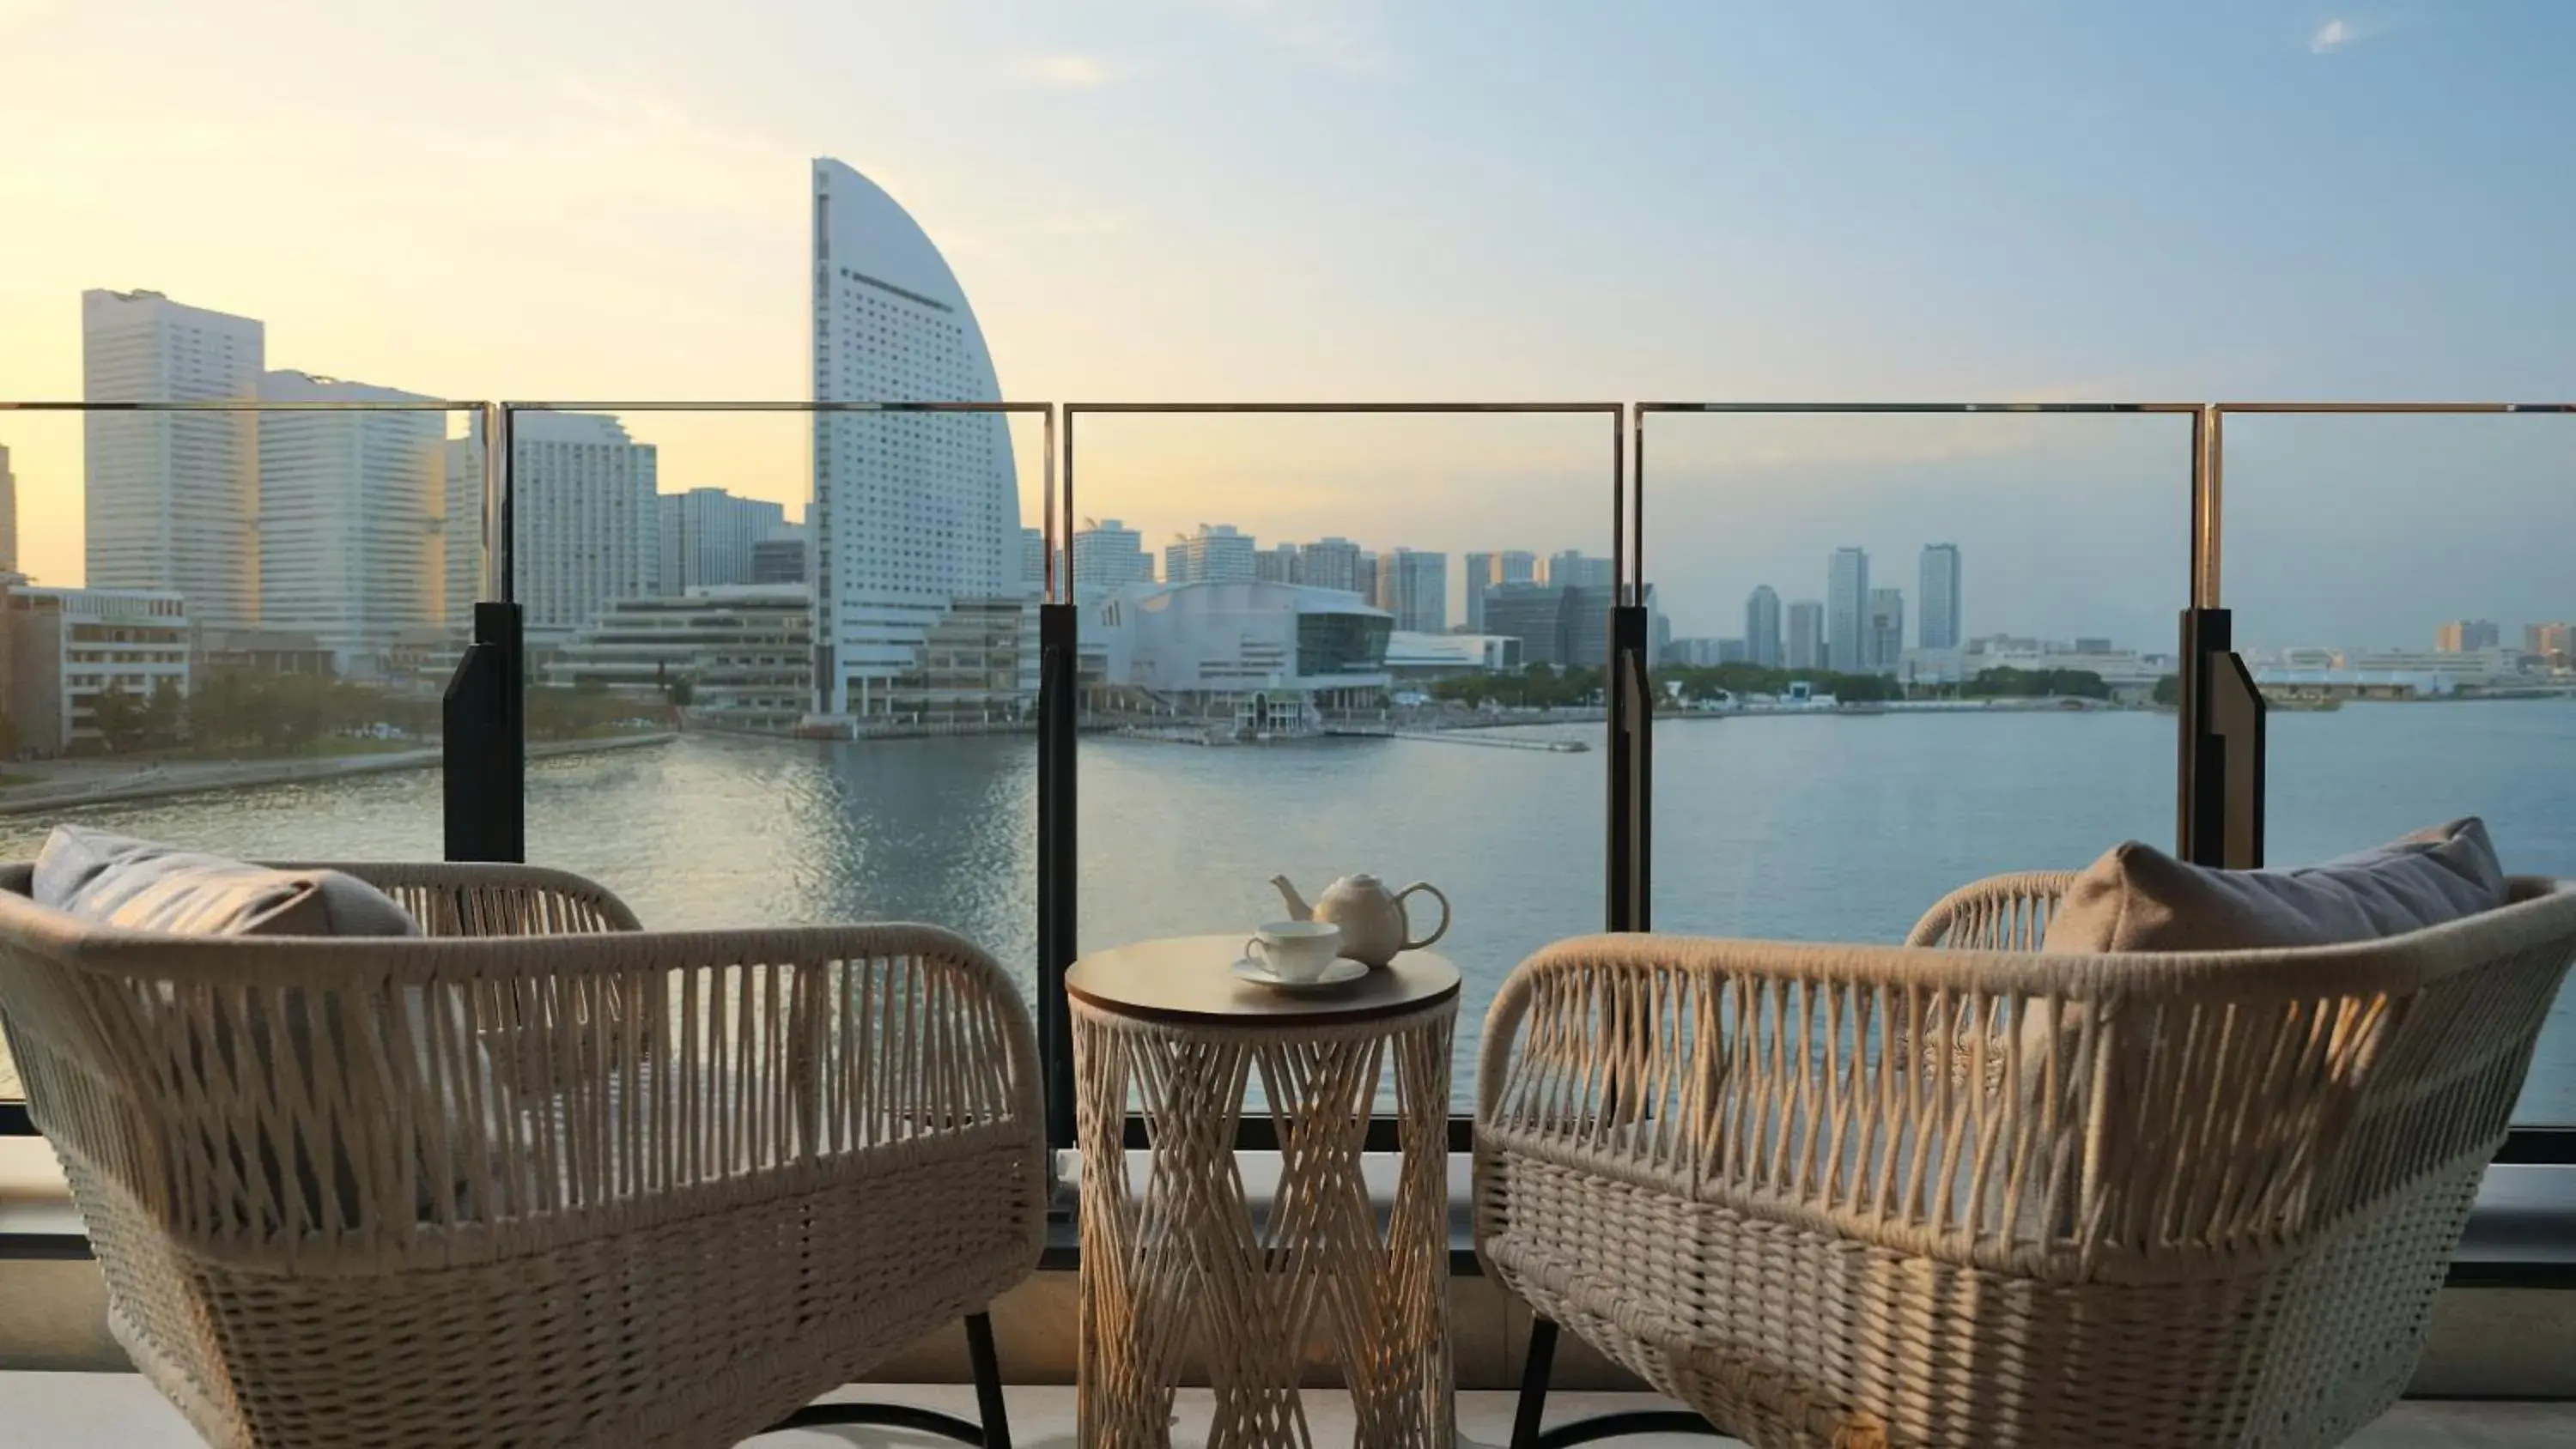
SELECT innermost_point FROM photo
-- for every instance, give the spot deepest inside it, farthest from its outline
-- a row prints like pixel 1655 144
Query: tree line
pixel 256 711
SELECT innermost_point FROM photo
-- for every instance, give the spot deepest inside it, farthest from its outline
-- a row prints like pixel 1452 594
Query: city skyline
pixel 1119 273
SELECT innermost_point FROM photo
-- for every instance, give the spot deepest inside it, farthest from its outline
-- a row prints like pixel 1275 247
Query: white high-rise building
pixel 911 511
pixel 1033 562
pixel 8 515
pixel 585 524
pixel 349 506
pixel 171 500
pixel 1276 564
pixel 1414 587
pixel 1218 553
pixel 1940 626
pixel 1107 555
pixel 1762 627
pixel 706 537
pixel 460 531
pixel 1847 611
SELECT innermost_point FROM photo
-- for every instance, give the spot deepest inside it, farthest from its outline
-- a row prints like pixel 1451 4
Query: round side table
pixel 1164 1026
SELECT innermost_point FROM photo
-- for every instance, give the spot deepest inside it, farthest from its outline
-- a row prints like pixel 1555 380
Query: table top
pixel 1186 979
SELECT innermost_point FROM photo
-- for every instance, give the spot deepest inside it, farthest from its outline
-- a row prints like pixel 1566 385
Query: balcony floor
pixel 120 1409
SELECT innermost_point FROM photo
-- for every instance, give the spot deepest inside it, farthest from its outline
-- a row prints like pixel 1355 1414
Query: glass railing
pixel 1400 663
pixel 686 753
pixel 228 625
pixel 2398 584
pixel 1320 642
pixel 1911 647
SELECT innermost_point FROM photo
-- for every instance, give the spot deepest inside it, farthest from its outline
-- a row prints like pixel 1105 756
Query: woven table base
pixel 1188 1260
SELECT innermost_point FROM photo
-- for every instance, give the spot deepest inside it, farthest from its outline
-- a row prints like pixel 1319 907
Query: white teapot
pixel 1372 918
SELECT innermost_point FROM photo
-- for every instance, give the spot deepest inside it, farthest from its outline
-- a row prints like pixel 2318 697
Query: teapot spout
pixel 1298 910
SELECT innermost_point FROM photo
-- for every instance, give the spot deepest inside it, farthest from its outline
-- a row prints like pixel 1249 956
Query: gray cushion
pixel 140 885
pixel 117 880
pixel 2137 898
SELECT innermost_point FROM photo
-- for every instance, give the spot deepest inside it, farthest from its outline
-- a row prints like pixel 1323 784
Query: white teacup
pixel 1296 951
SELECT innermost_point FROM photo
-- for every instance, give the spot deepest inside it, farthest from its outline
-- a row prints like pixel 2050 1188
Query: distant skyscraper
pixel 1484 570
pixel 1806 635
pixel 913 511
pixel 1276 565
pixel 172 499
pixel 1107 554
pixel 1333 563
pixel 1762 627
pixel 1846 610
pixel 2464 636
pixel 1414 587
pixel 349 508
pixel 1587 625
pixel 1479 575
pixel 2554 644
pixel 707 536
pixel 1883 642
pixel 8 515
pixel 1533 614
pixel 1571 570
pixel 1940 599
pixel 1218 553
pixel 582 496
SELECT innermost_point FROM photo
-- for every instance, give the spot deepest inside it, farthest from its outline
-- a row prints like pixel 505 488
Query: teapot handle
pixel 1424 885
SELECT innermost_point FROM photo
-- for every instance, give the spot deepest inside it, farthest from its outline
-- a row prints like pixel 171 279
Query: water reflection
pixel 1817 829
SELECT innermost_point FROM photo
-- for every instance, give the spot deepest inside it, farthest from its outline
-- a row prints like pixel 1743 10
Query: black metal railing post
pixel 1058 684
pixel 2219 776
pixel 1629 687
pixel 1059 706
pixel 484 713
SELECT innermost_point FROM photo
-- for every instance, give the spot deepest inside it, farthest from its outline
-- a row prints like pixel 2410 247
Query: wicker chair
pixel 539 1178
pixel 2187 1200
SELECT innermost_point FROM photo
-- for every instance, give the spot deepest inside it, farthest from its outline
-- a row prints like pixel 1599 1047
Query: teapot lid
pixel 1357 878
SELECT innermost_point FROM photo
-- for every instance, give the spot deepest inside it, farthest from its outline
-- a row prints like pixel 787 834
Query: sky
pixel 1273 200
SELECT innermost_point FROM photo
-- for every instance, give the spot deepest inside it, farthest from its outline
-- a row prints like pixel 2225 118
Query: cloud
pixel 13 12
pixel 2341 34
pixel 1346 37
pixel 1071 72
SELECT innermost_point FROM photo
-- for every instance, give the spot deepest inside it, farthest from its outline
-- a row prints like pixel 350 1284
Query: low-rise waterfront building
pixel 1413 657
pixel 745 650
pixel 1209 650
pixel 68 647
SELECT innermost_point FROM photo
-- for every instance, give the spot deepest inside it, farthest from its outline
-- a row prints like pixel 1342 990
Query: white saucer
pixel 1343 971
